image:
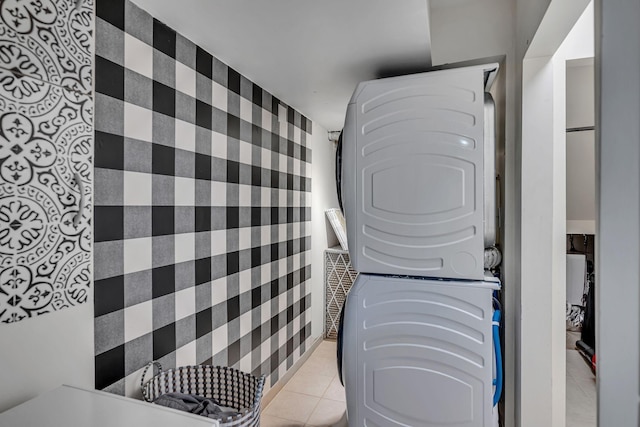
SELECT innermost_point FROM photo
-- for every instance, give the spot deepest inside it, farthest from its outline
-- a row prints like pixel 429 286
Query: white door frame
pixel 543 227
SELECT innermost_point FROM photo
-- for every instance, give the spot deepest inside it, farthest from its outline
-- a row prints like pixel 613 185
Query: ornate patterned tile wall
pixel 46 152
pixel 202 218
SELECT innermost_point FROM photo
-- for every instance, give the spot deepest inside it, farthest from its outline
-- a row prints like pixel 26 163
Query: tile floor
pixel 581 388
pixel 313 396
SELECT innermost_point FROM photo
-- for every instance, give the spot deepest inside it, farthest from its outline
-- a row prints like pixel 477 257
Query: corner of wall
pixel 324 197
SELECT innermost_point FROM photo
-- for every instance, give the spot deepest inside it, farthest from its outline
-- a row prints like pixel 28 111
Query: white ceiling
pixel 309 53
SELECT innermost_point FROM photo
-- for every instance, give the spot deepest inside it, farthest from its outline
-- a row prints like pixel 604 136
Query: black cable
pixel 339 171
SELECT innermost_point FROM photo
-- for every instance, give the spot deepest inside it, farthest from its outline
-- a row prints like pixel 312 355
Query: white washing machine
pixel 418 190
pixel 418 352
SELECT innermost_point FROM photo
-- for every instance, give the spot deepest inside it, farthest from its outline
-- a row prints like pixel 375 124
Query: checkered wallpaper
pixel 202 209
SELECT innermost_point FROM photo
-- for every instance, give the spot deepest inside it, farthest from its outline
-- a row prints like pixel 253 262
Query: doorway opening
pixel 565 35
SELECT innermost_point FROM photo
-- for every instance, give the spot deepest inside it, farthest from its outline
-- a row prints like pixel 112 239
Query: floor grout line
pixel 581 387
pixel 323 356
pixel 312 411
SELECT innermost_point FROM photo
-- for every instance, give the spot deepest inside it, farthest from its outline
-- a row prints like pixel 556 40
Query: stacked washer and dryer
pixel 418 191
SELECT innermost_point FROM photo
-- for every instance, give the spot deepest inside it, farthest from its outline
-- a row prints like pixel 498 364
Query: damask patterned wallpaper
pixel 46 152
pixel 202 217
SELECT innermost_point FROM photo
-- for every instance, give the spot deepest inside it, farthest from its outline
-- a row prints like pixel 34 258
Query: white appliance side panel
pixel 348 183
pixel 490 202
pixel 415 201
pixel 418 352
pixel 576 273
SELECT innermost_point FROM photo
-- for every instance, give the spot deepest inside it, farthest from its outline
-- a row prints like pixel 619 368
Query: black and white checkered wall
pixel 202 209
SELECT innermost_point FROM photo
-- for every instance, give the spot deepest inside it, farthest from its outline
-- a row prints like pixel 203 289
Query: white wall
pixel 581 183
pixel 618 242
pixel 323 193
pixel 542 398
pixel 41 353
pixel 473 29
pixel 581 166
pixel 580 93
pixel 543 264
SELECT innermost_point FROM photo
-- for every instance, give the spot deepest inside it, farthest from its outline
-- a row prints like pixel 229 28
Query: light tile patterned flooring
pixel 581 388
pixel 313 396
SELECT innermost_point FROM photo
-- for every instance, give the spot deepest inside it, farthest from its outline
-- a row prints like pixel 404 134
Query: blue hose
pixel 498 352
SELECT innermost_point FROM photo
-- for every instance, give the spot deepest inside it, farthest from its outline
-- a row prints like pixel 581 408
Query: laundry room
pixel 296 214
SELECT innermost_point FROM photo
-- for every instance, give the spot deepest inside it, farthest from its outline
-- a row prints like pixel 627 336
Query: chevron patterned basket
pixel 227 386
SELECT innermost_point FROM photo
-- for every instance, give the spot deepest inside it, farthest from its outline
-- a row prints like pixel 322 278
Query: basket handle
pixel 144 375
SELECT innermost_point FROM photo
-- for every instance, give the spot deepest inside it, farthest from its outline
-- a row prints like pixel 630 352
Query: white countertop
pixel 69 406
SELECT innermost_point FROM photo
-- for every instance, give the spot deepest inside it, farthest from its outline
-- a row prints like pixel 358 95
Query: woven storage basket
pixel 227 386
